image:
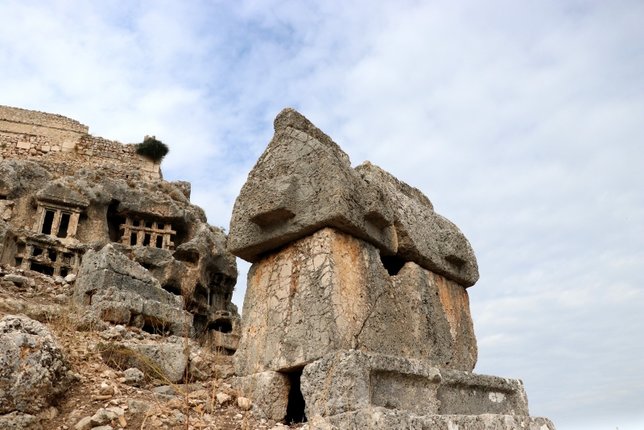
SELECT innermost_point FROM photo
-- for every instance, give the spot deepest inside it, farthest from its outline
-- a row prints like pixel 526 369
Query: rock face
pixel 356 303
pixel 33 371
pixel 64 192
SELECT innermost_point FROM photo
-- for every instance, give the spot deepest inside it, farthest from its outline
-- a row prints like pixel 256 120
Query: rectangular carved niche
pixel 47 259
pixel 395 390
pixel 145 232
pixel 57 221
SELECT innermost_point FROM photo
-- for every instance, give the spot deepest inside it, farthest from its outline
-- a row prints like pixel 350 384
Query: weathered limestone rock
pixel 121 291
pixel 301 183
pixel 353 380
pixel 269 391
pixel 19 421
pixel 18 177
pixel 165 361
pixel 64 192
pixel 133 376
pixel 356 305
pixel 57 192
pixel 424 236
pixel 384 418
pixel 33 371
pixel 7 243
pixel 330 292
pixel 304 182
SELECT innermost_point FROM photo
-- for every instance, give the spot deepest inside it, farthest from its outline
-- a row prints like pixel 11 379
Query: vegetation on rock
pixel 152 148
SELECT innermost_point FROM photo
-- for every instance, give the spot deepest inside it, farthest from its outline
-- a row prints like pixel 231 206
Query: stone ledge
pixel 353 380
pixel 382 418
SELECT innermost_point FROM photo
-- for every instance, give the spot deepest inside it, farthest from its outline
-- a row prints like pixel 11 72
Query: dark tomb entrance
pixel 295 407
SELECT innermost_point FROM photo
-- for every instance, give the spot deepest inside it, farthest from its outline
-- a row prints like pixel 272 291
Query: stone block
pixel 121 291
pixel 68 145
pixel 423 236
pixel 354 381
pixel 268 392
pixel 62 193
pixel 304 182
pixel 464 393
pixel 330 292
pixel 379 418
pixel 301 183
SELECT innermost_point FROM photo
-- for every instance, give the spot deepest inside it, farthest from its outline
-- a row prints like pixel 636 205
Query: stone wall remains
pixel 40 119
pixel 66 144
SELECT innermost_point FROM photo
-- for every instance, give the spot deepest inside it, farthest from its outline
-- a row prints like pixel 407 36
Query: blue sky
pixel 521 120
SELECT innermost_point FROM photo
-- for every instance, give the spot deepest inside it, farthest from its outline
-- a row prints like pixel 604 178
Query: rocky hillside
pixel 64 371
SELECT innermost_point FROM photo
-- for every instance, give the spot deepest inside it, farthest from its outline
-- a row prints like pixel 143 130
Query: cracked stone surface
pixel 351 380
pixel 119 290
pixel 330 292
pixel 424 236
pixel 304 182
pixel 385 418
pixel 301 183
pixel 357 298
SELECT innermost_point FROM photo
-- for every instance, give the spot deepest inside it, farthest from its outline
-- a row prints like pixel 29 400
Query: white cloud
pixel 520 120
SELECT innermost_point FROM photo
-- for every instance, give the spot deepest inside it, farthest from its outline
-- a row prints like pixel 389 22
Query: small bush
pixel 152 148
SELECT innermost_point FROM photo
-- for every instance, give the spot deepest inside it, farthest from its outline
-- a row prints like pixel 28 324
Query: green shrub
pixel 152 148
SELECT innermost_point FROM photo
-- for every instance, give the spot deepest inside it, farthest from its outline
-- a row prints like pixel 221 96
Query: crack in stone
pixel 364 322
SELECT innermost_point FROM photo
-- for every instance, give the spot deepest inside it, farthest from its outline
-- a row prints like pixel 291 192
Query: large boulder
pixel 166 361
pixel 301 183
pixel 33 370
pixel 423 236
pixel 304 182
pixel 119 290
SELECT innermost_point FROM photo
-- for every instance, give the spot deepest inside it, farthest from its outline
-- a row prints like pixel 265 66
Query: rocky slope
pixel 100 390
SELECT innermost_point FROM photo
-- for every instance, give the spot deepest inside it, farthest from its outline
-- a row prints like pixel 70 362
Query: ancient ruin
pixel 356 313
pixel 72 204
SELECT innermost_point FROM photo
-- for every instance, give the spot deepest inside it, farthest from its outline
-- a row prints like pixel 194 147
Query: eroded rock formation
pixel 356 313
pixel 65 195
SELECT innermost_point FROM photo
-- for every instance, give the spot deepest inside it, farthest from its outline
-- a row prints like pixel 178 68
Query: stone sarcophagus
pixel 356 312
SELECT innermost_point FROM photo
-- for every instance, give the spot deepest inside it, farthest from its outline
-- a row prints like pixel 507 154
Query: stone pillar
pixel 73 224
pixel 40 217
pixel 55 224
